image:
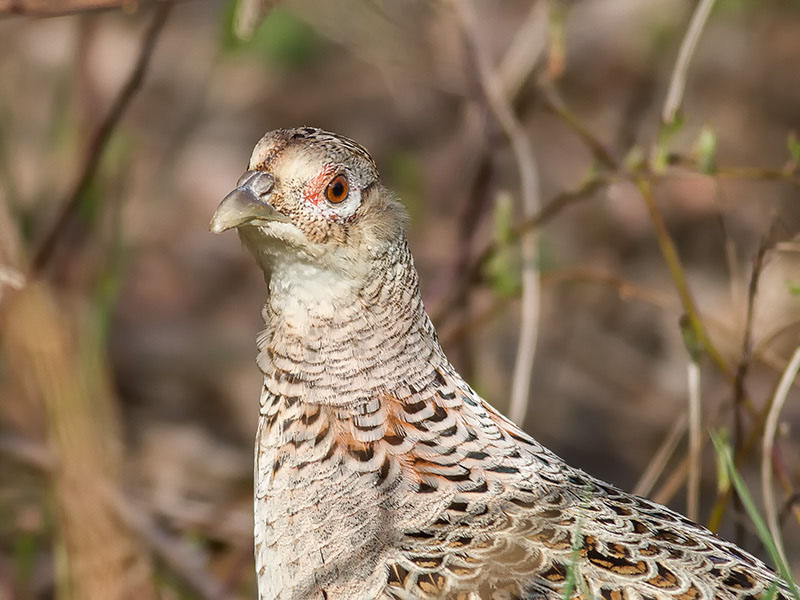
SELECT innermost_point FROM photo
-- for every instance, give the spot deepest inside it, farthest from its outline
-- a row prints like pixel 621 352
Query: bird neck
pixel 341 339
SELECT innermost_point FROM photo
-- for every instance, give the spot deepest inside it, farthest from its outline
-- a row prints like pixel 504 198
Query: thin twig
pixel 746 355
pixel 674 481
pixel 549 211
pixel 677 82
pixel 524 51
pixel 10 277
pixel 48 8
pixel 29 453
pixel 756 433
pixel 626 290
pixel 11 274
pixel 470 217
pixel 529 182
pixel 513 71
pixel 739 393
pixel 661 457
pixel 768 442
pixel 731 256
pixel 759 174
pixel 554 103
pixel 670 254
pixel 678 475
pixel 248 15
pixel 766 341
pixel 183 558
pixel 101 137
pixel 747 338
pixel 687 166
pixel 693 475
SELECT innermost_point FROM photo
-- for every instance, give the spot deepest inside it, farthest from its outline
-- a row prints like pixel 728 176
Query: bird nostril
pixel 246 177
pixel 262 183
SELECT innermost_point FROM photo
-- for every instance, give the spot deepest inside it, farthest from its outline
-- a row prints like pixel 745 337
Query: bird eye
pixel 337 189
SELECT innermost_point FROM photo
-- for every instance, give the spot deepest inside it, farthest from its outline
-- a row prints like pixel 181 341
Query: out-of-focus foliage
pixel 128 385
pixel 282 39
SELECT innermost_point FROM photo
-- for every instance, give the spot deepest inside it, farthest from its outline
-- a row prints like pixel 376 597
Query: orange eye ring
pixel 337 189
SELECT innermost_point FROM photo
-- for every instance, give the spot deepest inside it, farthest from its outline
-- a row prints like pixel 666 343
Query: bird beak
pixel 247 203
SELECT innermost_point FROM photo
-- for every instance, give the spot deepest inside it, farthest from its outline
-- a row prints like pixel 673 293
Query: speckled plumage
pixel 379 473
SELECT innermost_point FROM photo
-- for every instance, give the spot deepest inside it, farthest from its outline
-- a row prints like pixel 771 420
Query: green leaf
pixel 282 39
pixel 635 160
pixel 793 145
pixel 502 269
pixel 725 455
pixel 405 175
pixel 660 160
pixel 705 149
pixel 690 339
pixel 723 446
pixel 573 578
pixel 772 591
pixel 669 130
pixel 503 218
pixel 794 288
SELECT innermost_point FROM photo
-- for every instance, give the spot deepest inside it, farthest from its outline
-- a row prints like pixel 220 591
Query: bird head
pixel 311 196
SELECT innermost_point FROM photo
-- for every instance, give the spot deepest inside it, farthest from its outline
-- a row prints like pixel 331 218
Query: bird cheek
pixel 311 197
pixel 316 232
pixel 314 191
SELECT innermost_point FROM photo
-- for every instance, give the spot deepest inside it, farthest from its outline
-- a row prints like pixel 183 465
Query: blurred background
pixel 128 384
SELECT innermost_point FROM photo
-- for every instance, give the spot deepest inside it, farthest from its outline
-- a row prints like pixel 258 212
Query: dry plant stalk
pixel 768 444
pixel 530 200
pixel 97 558
pixel 10 251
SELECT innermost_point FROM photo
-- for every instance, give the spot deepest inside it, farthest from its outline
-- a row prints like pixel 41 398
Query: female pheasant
pixel 379 473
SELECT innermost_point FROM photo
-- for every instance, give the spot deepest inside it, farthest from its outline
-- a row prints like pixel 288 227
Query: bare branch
pixel 101 137
pixel 249 15
pixel 182 558
pixel 672 259
pixel 56 8
pixel 11 275
pixel 549 211
pixel 693 475
pixel 765 342
pixel 555 104
pixel 529 183
pixel 747 341
pixel 513 70
pixel 677 82
pixel 661 457
pixel 687 166
pixel 524 51
pixel 670 254
pixel 768 442
pixel 626 290
pixel 45 9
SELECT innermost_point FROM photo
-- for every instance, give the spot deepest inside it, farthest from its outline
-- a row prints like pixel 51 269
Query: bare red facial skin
pixel 315 190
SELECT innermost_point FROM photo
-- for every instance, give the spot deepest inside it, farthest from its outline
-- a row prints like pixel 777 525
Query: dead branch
pixel 549 211
pixel 670 254
pixel 677 82
pixel 182 558
pixel 529 183
pixel 57 8
pixel 660 459
pixel 768 443
pixel 100 140
pixel 695 414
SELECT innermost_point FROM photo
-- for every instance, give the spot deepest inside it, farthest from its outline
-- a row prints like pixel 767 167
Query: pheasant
pixel 379 472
